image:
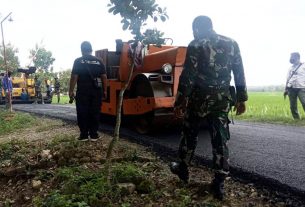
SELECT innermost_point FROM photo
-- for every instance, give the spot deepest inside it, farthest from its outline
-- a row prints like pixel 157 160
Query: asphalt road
pixel 275 152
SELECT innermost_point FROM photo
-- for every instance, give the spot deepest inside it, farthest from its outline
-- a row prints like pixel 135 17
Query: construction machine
pixel 24 83
pixel 149 98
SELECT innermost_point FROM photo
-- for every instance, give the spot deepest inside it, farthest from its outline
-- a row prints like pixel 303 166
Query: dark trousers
pixel 294 94
pixel 218 124
pixel 88 106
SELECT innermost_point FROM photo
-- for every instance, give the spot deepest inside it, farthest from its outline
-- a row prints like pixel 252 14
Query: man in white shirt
pixel 295 84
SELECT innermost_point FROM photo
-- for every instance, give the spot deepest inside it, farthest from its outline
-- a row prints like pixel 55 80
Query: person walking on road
pixel 89 74
pixel 204 92
pixel 295 84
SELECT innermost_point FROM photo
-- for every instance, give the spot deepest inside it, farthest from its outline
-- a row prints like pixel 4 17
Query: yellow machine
pixel 23 82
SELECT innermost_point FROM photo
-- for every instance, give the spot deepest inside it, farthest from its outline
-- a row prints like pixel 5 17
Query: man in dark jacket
pixel 204 92
pixel 89 74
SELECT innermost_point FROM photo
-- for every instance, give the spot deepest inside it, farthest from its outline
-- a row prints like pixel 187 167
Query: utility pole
pixel 9 95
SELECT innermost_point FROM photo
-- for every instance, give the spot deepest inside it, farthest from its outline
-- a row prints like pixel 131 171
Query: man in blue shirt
pixel 7 86
pixel 24 96
pixel 1 89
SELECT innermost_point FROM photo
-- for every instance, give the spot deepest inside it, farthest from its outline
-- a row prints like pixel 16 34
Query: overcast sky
pixel 267 30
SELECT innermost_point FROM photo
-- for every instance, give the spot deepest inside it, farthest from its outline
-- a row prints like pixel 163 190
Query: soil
pixel 21 182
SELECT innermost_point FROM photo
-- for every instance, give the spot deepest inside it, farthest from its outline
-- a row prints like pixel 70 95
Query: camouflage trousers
pixel 218 125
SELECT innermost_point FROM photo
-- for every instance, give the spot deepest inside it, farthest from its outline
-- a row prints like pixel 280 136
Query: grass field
pixel 270 107
pixel 64 99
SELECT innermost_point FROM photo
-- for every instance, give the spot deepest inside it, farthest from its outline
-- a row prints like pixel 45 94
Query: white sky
pixel 267 30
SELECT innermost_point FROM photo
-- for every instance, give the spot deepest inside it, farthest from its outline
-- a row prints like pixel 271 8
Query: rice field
pixel 270 107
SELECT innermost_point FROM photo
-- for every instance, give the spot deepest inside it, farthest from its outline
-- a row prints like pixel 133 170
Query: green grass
pixel 79 186
pixel 270 107
pixel 64 99
pixel 10 122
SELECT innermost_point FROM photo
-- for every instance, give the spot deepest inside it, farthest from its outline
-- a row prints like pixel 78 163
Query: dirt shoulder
pixel 44 165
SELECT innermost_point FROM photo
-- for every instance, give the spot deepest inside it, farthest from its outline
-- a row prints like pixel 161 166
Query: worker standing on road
pixel 89 74
pixel 7 86
pixel 295 84
pixel 38 94
pixel 0 89
pixel 204 92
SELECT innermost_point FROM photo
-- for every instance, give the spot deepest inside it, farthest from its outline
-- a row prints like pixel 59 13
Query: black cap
pixel 86 46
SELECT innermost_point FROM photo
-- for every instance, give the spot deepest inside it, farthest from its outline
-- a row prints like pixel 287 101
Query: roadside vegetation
pixel 10 122
pixel 43 164
pixel 64 99
pixel 270 107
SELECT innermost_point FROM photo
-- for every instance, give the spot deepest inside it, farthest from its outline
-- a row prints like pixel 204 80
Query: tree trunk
pixel 116 134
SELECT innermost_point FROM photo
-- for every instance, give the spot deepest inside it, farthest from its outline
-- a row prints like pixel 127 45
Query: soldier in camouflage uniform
pixel 38 94
pixel 57 89
pixel 204 92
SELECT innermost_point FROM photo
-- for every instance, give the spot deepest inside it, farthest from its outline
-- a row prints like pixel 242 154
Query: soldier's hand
pixel 105 95
pixel 71 94
pixel 179 112
pixel 240 108
pixel 285 94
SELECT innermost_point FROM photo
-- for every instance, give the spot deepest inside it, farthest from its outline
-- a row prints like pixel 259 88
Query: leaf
pixel 115 11
pixel 163 18
pixel 155 19
pixel 159 10
pixel 125 25
pixel 111 10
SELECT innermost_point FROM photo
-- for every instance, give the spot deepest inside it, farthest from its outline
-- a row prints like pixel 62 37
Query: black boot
pixel 180 169
pixel 218 187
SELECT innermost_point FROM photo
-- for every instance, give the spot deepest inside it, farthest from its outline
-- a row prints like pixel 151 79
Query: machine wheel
pixel 143 123
pixel 141 88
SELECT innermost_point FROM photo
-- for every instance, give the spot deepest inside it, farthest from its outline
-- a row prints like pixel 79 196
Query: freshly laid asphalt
pixel 266 151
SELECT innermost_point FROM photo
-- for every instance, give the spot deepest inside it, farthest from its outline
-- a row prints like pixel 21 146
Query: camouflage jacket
pixel 37 85
pixel 57 85
pixel 207 71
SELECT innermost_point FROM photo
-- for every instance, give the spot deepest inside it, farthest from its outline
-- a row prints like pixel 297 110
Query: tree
pixel 12 59
pixel 42 58
pixel 134 15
